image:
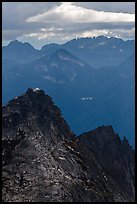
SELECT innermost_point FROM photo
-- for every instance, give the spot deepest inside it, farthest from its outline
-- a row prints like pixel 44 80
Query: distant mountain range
pixel 110 51
pixel 90 79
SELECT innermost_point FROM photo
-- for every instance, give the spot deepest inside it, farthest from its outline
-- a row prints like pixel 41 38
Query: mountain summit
pixel 19 52
pixel 43 160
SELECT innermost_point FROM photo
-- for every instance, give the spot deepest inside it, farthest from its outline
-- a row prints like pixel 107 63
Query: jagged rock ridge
pixel 43 160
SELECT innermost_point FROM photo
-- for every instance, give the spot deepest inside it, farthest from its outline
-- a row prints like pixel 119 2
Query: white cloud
pixel 68 12
pixel 47 22
pixel 123 7
pixel 39 35
pixel 128 34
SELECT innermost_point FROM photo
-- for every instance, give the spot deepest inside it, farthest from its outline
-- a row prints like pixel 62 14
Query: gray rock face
pixel 116 159
pixel 43 161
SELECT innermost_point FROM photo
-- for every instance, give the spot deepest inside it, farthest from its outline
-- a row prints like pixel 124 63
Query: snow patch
pixel 60 170
pixel 77 62
pixel 62 158
pixel 36 89
pixel 105 178
pixel 86 98
pixel 102 43
pixel 71 60
pixel 70 148
pixel 68 177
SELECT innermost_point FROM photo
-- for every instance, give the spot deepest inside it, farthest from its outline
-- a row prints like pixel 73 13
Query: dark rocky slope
pixel 43 161
pixel 116 160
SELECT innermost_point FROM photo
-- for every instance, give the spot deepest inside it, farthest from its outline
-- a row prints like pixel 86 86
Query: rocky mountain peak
pixel 14 43
pixel 18 44
pixel 33 108
pixel 113 154
pixel 43 161
pixel 103 134
pixel 33 98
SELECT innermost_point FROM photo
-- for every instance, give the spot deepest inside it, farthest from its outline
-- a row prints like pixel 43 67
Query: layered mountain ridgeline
pixel 43 160
pixel 109 51
pixel 88 97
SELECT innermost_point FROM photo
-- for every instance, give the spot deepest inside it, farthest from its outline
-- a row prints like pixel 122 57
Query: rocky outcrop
pixel 43 160
pixel 115 158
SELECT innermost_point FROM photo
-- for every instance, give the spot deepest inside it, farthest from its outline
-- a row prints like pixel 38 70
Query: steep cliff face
pixel 115 157
pixel 43 161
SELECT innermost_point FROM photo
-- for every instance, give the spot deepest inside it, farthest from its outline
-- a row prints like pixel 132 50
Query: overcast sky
pixel 48 22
